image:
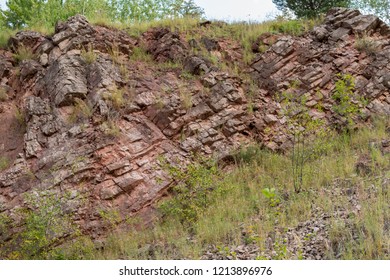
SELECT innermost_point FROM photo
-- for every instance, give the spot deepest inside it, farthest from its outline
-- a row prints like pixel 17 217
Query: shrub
pixel 192 190
pixel 347 103
pixel 270 195
pixel 45 226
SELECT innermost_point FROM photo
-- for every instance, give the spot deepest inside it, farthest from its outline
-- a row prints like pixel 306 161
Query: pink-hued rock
pixel 101 127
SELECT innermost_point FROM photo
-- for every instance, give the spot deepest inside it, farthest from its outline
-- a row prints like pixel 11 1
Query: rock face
pixel 310 65
pixel 97 122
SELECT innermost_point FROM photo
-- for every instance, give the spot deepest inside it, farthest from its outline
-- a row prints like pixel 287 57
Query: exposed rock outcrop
pixel 310 64
pixel 99 126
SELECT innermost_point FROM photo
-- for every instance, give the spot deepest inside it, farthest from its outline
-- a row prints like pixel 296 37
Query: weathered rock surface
pixel 100 126
pixel 309 65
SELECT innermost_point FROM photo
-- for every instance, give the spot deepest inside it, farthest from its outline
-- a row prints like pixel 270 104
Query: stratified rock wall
pixel 311 63
pixel 98 127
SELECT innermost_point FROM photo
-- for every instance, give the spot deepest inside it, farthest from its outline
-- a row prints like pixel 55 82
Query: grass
pixel 24 53
pixel 258 196
pixel 366 44
pixel 5 35
pixel 4 163
pixel 140 54
pixel 110 128
pixel 104 21
pixel 115 54
pixel 116 98
pixel 44 29
pixel 189 28
pixel 177 24
pixel 81 110
pixel 185 98
pixel 88 54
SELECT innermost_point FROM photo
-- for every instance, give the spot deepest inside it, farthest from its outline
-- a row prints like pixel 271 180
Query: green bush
pixel 44 224
pixel 347 102
pixel 193 189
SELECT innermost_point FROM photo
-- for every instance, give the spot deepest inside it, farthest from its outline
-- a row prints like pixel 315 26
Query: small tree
pixel 187 8
pixel 309 8
pixel 302 129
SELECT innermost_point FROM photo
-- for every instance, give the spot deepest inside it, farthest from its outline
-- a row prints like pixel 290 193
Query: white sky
pixel 254 10
pixel 232 10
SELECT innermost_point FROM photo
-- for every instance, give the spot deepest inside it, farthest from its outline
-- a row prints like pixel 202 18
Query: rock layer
pixel 98 126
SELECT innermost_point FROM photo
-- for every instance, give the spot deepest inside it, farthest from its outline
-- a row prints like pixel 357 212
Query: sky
pixel 236 10
pixel 232 10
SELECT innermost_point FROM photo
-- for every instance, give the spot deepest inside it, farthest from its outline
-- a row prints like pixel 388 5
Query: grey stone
pixel 59 37
pixel 29 68
pixel 117 165
pixel 320 33
pixel 27 38
pixel 270 119
pixel 66 80
pixel 129 180
pixel 36 106
pixel 362 23
pixel 386 80
pixel 196 65
pixel 44 59
pixel 49 128
pixel 110 192
pixel 210 44
pixel 339 34
pixel 32 148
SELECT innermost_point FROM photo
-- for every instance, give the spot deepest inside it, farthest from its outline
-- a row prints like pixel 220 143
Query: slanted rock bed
pixel 96 122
